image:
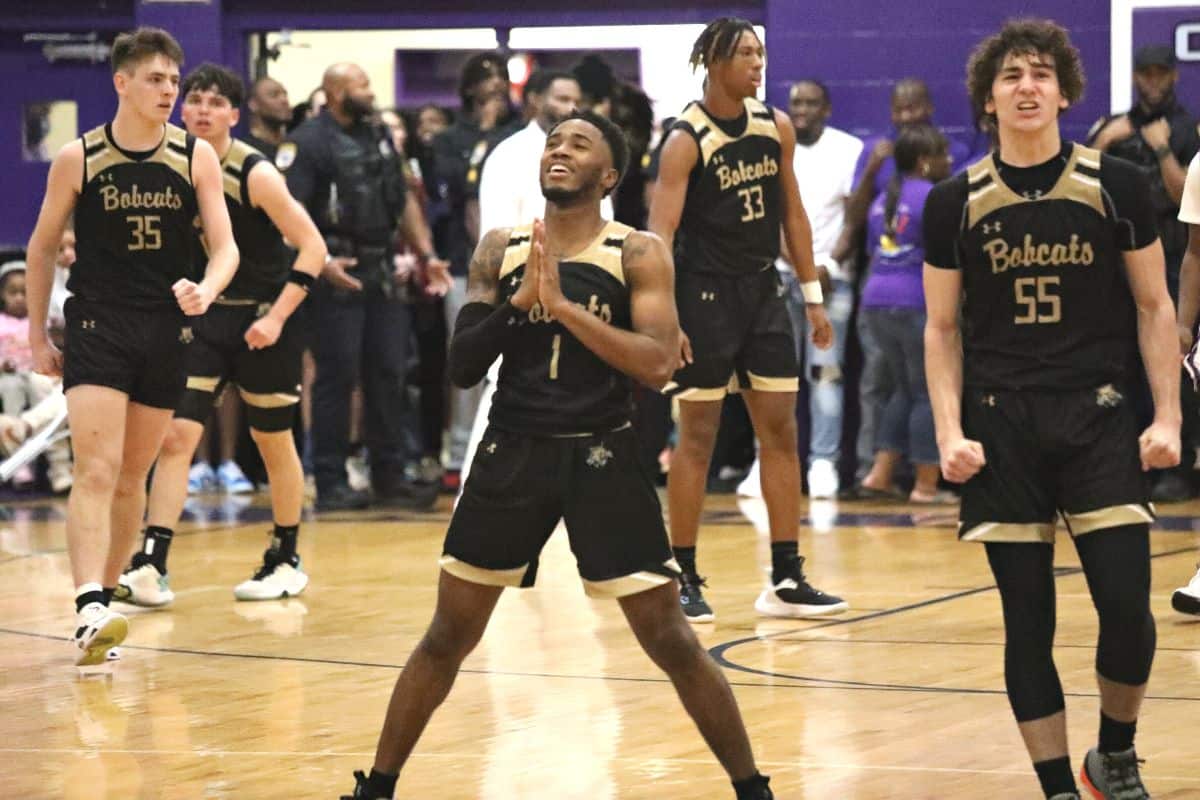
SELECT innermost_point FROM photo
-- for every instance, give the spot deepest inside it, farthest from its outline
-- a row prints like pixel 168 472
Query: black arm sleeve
pixel 480 334
pixel 942 221
pixel 1133 209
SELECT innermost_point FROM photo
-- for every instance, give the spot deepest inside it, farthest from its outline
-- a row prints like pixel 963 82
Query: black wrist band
pixel 1162 152
pixel 301 279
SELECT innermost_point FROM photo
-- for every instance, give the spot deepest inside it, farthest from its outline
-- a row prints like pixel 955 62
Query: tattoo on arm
pixel 484 272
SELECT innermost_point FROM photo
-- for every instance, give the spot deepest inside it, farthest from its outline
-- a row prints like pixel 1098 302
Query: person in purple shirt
pixel 893 311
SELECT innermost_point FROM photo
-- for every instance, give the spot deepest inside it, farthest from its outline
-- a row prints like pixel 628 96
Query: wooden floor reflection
pixel 900 698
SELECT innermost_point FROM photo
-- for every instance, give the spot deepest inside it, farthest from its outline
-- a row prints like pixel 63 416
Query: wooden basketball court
pixel 903 697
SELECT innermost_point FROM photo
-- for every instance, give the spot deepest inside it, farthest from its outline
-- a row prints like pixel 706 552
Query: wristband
pixel 1162 152
pixel 301 279
pixel 812 293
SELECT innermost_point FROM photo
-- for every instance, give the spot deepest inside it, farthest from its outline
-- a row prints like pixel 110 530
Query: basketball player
pixel 574 304
pixel 721 187
pixel 248 337
pixel 135 186
pixel 1186 599
pixel 1049 251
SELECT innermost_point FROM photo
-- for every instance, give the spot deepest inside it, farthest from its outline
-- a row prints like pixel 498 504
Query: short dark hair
pixel 214 77
pixel 477 69
pixel 813 82
pixel 613 136
pixel 718 41
pixel 1025 37
pixel 539 82
pixel 132 48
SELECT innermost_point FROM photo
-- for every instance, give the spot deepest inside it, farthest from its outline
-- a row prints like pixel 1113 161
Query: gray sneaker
pixel 1065 796
pixel 1113 776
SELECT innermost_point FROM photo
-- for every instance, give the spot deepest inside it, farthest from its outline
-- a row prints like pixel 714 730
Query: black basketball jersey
pixel 264 265
pixel 1046 302
pixel 730 221
pixel 134 220
pixel 550 383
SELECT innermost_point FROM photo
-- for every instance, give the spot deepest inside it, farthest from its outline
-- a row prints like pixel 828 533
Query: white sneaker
pixel 751 485
pixel 272 582
pixel 358 472
pixel 144 586
pixel 823 482
pixel 1187 599
pixel 98 630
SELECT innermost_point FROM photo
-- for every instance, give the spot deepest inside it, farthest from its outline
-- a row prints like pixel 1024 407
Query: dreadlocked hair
pixel 718 41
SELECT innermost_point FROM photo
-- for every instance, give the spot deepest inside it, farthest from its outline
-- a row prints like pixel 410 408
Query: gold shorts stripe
pixel 1010 532
pixel 1109 517
pixel 272 400
pixel 625 585
pixel 485 577
pixel 703 394
pixel 202 384
pixel 762 383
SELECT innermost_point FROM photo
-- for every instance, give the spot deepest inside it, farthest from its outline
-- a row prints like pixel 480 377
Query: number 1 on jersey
pixel 555 349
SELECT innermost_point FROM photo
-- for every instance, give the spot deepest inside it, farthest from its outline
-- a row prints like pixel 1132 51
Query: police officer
pixel 345 170
pixel 1160 137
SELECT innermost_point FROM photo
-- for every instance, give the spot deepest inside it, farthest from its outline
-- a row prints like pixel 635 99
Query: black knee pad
pixel 1116 562
pixel 197 404
pixel 271 420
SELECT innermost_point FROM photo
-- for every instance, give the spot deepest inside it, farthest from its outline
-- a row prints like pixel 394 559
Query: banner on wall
pixel 1178 28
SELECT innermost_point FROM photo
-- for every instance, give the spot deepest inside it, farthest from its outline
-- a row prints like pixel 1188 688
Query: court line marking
pixel 474 757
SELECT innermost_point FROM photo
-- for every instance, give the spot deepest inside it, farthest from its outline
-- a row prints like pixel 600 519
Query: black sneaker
pixel 393 491
pixel 692 600
pixel 1113 776
pixel 755 789
pixel 340 497
pixel 795 597
pixel 362 789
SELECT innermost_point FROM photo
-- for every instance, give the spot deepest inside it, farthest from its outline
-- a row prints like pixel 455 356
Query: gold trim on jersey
pixel 994 194
pixel 604 252
pixel 759 122
pixel 233 169
pixel 1042 532
pixel 628 584
pixel 484 577
pixel 1109 517
pixel 104 153
pixel 200 383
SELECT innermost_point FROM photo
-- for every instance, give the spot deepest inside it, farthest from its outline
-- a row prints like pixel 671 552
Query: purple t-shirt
pixel 960 157
pixel 894 279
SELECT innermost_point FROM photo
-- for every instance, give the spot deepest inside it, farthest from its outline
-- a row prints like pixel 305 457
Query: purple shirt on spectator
pixel 894 279
pixel 960 157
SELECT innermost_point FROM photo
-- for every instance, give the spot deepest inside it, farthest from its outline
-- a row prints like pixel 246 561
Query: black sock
pixel 1115 736
pixel 156 543
pixel 87 594
pixel 108 594
pixel 381 785
pixel 783 560
pixel 753 788
pixel 1055 776
pixel 283 542
pixel 686 556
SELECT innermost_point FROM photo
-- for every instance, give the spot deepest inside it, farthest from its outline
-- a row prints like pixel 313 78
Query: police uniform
pixel 730 299
pixel 268 378
pixel 1049 337
pixel 560 446
pixel 352 184
pixel 134 228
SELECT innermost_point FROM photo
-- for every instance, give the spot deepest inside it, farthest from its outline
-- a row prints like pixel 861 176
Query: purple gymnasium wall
pixel 849 45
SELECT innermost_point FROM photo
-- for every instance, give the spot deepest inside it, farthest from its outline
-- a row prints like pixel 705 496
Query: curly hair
pixel 1024 37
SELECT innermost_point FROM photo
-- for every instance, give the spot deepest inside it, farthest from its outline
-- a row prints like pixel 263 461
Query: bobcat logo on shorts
pixel 489 448
pixel 185 335
pixel 1108 397
pixel 599 456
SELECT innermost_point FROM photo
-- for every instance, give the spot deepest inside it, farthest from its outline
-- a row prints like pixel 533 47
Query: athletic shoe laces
pixel 1121 774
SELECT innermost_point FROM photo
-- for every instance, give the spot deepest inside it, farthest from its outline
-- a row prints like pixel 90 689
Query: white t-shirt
pixel 825 172
pixel 510 188
pixel 1189 204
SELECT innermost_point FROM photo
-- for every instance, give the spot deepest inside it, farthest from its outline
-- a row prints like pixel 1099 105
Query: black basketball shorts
pixel 267 379
pixel 137 351
pixel 741 335
pixel 520 486
pixel 1072 454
